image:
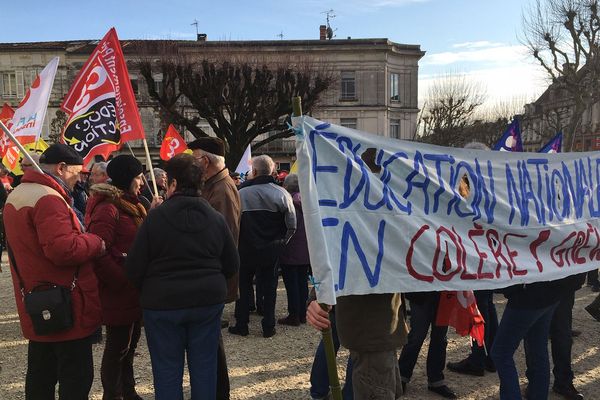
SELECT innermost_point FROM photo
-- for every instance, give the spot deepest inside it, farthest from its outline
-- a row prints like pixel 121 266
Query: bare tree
pixel 239 99
pixel 56 126
pixel 450 106
pixel 563 36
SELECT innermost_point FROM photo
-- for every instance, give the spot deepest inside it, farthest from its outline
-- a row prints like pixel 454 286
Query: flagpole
pixel 149 164
pixel 21 148
pixel 133 154
pixel 334 380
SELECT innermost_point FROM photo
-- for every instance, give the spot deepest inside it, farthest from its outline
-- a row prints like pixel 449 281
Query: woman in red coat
pixel 114 213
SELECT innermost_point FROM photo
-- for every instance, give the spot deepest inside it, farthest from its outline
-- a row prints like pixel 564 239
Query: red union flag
pixel 29 116
pixel 172 144
pixel 6 115
pixel 459 310
pixel 102 110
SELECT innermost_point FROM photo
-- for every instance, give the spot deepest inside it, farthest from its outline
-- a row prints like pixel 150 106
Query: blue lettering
pixel 349 234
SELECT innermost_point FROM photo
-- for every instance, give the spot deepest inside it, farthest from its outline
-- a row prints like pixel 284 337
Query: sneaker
pixel 290 320
pixel 443 391
pixel 568 392
pixel 269 333
pixel 594 312
pixel 465 367
pixel 238 330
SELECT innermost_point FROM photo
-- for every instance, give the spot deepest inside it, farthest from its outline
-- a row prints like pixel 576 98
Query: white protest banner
pixel 245 164
pixel 29 116
pixel 384 215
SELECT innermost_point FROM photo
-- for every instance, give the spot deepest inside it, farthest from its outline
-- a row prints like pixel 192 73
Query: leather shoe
pixel 465 367
pixel 224 323
pixel 568 392
pixel 489 365
pixel 290 320
pixel 443 391
pixel 593 311
pixel 269 333
pixel 237 330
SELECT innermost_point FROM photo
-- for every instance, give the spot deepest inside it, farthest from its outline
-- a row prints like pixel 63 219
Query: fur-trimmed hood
pixel 106 190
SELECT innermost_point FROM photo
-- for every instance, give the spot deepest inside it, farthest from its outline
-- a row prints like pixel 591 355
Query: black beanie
pixel 59 153
pixel 122 169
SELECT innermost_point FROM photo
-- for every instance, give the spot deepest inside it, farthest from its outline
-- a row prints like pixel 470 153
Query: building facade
pixel 375 90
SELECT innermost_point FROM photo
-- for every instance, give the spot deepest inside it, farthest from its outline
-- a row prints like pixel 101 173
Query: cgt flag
pixel 102 110
pixel 511 138
pixel 459 310
pixel 172 144
pixel 554 145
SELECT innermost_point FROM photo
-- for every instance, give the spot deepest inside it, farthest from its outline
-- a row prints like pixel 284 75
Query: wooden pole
pixel 149 164
pixel 334 381
pixel 21 148
pixel 133 154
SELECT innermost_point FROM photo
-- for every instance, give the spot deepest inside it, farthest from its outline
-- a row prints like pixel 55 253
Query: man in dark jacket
pixel 48 245
pixel 221 193
pixel 268 222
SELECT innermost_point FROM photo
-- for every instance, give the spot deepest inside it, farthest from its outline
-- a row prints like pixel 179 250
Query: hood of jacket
pixel 187 214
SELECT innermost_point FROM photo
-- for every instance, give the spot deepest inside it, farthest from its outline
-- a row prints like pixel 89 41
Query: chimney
pixel 322 32
pixel 201 37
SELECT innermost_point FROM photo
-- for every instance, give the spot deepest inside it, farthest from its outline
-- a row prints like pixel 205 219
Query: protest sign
pixel 381 214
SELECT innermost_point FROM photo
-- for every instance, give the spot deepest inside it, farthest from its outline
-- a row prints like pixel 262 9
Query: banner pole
pixel 334 381
pixel 149 164
pixel 21 148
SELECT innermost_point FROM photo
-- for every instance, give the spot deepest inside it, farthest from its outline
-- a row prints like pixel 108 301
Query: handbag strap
pixel 13 262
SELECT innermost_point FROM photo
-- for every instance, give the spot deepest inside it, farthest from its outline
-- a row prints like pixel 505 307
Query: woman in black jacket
pixel 180 260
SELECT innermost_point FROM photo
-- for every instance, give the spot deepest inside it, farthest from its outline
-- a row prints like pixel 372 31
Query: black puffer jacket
pixel 181 256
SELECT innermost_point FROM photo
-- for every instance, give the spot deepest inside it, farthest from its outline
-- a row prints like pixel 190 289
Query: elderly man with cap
pixel 221 193
pixel 47 244
pixel 115 213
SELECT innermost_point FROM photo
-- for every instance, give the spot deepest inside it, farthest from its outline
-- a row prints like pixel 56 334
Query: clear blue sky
pixel 476 37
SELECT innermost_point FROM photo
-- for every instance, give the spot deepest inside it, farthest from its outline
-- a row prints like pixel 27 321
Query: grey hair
pixel 102 165
pixel 476 146
pixel 157 173
pixel 263 165
pixel 290 183
pixel 218 161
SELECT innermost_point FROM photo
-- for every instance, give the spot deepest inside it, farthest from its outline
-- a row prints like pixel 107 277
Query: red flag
pixel 459 310
pixel 6 115
pixel 172 144
pixel 101 103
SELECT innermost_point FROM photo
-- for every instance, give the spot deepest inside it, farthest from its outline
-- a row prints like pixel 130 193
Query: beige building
pixel 375 91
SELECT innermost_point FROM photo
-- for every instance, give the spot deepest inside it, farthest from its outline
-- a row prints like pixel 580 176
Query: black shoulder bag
pixel 48 304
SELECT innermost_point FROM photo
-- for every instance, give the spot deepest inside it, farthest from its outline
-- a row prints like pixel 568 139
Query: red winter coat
pixel 119 298
pixel 48 246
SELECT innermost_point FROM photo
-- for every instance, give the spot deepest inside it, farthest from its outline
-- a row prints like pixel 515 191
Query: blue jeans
pixel 485 303
pixel 422 316
pixel 531 326
pixel 319 379
pixel 295 278
pixel 173 333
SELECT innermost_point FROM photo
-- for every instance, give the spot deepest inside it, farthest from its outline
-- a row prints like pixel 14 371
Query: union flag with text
pixel 6 115
pixel 172 144
pixel 103 112
pixel 459 310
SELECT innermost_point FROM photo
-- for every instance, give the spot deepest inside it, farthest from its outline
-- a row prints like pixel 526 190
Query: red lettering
pixel 513 253
pixel 409 255
pixel 478 231
pixel 445 275
pixel 495 246
pixel 561 253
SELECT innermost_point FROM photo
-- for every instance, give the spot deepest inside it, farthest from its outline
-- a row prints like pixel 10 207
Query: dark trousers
pixel 223 387
pixel 485 303
pixel 422 317
pixel 266 278
pixel 171 334
pixel 562 341
pixel 319 378
pixel 295 278
pixel 117 361
pixel 592 278
pixel 69 363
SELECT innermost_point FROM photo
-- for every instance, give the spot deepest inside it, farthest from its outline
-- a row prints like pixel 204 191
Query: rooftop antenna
pixel 330 15
pixel 280 35
pixel 195 23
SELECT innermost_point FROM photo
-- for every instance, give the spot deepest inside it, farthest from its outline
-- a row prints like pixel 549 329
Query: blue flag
pixel 511 138
pixel 554 145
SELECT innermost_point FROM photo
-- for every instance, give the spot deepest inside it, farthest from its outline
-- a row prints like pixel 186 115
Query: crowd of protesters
pixel 169 261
